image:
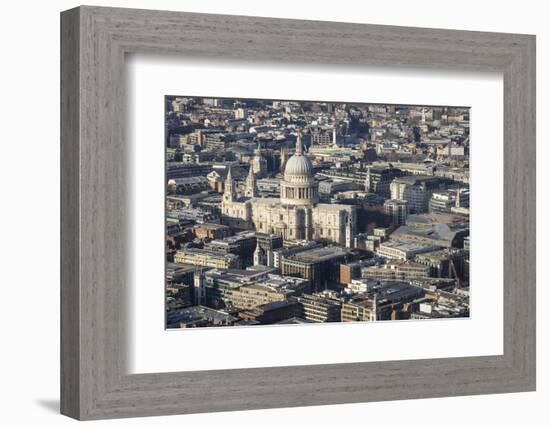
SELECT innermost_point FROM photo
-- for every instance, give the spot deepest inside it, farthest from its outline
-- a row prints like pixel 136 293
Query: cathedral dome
pixel 298 186
pixel 298 166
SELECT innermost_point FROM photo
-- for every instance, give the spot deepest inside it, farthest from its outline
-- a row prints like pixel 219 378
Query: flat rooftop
pixel 319 254
pixel 406 246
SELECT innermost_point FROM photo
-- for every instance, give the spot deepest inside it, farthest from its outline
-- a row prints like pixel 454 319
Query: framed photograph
pixel 262 213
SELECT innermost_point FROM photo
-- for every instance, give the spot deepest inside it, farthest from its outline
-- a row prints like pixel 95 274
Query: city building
pixel 434 229
pixel 198 316
pixel 179 273
pixel 181 170
pixel 395 301
pixel 445 201
pixel 361 286
pixel 266 248
pixel 403 250
pixel 391 301
pixel 378 179
pixel 321 266
pixel 396 210
pixel 330 186
pixel 204 258
pixel 247 289
pixel 352 270
pixel 272 288
pixel 416 190
pixel 242 244
pixel 396 270
pixel 318 308
pixel 219 285
pixel 444 263
pixel 188 185
pixel 211 231
pixel 273 312
pixel 358 309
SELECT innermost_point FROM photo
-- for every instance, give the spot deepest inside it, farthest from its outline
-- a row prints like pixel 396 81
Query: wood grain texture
pixel 95 383
pixel 70 296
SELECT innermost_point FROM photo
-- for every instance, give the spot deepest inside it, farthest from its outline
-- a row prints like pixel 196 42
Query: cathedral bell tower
pixel 259 165
pixel 251 189
pixel 229 188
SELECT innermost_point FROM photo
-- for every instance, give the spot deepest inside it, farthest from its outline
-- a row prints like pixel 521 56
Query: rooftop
pixel 198 312
pixel 319 254
pixel 294 321
pixel 436 227
pixel 416 179
pixel 405 246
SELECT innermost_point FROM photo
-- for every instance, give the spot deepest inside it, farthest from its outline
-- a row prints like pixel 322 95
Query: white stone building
pixel 297 214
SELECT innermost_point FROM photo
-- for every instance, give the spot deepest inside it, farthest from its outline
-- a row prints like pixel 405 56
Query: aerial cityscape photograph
pixel 288 212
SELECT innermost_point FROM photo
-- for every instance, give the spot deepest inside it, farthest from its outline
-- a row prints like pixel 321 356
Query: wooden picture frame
pixel 94 382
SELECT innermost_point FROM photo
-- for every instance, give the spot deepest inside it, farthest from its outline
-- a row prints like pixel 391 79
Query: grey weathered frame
pixel 94 41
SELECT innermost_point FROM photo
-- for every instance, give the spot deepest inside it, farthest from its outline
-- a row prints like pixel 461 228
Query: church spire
pixel 259 164
pixel 229 188
pixel 283 157
pixel 299 146
pixel 251 190
pixel 259 149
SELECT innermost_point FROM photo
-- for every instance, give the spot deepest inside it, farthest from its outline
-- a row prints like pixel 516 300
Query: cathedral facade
pixel 297 214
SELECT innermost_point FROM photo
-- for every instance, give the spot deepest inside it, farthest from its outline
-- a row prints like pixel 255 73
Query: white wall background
pixel 29 191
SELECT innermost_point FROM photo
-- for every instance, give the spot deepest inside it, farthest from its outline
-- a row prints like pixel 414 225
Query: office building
pixel 396 270
pixel 320 266
pixel 269 289
pixel 445 201
pixel 403 250
pixel 318 309
pixel 416 190
pixel 205 258
pixel 378 179
pixel 396 210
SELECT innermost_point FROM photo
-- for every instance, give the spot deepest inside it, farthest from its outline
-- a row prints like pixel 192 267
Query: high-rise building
pixel 396 210
pixel 416 190
pixel 378 179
